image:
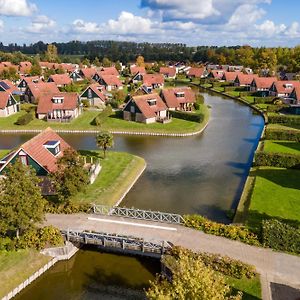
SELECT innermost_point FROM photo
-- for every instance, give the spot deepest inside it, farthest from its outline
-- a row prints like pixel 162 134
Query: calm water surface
pixel 203 174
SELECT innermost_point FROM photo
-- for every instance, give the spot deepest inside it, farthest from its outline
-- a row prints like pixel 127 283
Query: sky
pixel 193 22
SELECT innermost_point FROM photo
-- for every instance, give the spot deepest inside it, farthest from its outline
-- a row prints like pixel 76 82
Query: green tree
pixel 86 62
pixel 35 69
pixel 96 62
pixel 104 141
pixel 191 280
pixel 71 177
pixel 21 202
pixel 51 53
pixel 106 62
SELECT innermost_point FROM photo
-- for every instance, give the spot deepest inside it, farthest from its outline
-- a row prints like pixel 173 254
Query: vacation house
pixel 168 72
pixel 262 85
pixel 153 81
pixel 61 80
pixel 95 94
pixel 8 104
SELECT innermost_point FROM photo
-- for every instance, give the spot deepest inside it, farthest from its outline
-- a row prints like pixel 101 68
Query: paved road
pixel 274 267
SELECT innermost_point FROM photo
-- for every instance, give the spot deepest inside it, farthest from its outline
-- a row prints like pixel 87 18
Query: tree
pixel 51 53
pixel 35 69
pixel 96 62
pixel 191 279
pixel 21 202
pixel 104 141
pixel 140 61
pixel 106 62
pixel 71 177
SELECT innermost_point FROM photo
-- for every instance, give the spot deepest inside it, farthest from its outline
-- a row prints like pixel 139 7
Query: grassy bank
pixel 17 266
pixel 112 123
pixel 282 147
pixel 119 171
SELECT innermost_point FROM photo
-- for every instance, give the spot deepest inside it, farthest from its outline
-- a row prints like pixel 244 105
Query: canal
pixel 203 174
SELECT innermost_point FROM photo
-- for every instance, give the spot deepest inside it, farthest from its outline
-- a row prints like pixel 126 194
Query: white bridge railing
pixel 137 214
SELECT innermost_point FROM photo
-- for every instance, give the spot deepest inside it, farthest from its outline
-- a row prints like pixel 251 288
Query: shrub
pixel 275 108
pixel 102 116
pixel 278 160
pixel 25 119
pixel 280 236
pixel 287 135
pixel 28 107
pixel 284 119
pixel 68 208
pixel 194 117
pixel 263 100
pixel 232 232
pixel 86 103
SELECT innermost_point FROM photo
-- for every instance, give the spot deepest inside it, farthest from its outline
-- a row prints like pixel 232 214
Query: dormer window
pixel 179 94
pixel 288 85
pixel 53 147
pixel 58 100
pixel 152 102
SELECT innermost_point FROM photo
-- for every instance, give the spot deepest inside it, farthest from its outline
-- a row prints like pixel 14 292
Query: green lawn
pixel 283 127
pixel 249 99
pixel 16 266
pixel 118 172
pixel 276 194
pixel 233 93
pixel 218 89
pixel 282 147
pixel 3 153
pixel 251 288
pixel 84 122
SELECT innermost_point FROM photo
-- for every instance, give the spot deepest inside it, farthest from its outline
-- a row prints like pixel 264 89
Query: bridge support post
pixel 163 247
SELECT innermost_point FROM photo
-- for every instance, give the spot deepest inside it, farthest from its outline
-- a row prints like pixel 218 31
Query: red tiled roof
pixel 4 96
pixel 197 72
pixel 36 149
pixel 218 74
pixel 61 79
pixel 25 67
pixel 88 72
pixel 46 105
pixel 169 95
pixel 135 69
pixel 109 71
pixel 30 79
pixel 171 72
pixel 147 110
pixel 246 79
pixel 229 76
pixel 68 67
pixel 264 82
pixel 285 87
pixel 296 93
pixel 95 87
pixel 111 80
pixel 150 79
pixel 12 87
pixel 37 89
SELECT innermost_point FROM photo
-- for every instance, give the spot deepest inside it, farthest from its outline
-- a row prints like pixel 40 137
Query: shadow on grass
pixel 246 296
pixel 90 153
pixel 291 145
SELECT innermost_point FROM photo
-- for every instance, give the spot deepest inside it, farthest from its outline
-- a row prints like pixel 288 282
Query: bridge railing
pixel 124 243
pixel 138 214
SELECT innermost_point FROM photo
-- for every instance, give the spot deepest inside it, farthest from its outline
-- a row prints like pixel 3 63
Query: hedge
pixel 234 88
pixel 278 160
pixel 287 135
pixel 102 116
pixel 284 119
pixel 233 232
pixel 281 236
pixel 68 208
pixel 263 100
pixel 25 119
pixel 189 116
pixel 217 262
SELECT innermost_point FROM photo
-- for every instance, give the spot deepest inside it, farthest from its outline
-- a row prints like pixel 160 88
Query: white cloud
pixel 41 24
pixel 1 25
pixel 269 28
pixel 293 31
pixel 16 8
pixel 81 26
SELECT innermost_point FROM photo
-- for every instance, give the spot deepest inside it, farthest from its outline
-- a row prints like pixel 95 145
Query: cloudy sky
pixel 194 22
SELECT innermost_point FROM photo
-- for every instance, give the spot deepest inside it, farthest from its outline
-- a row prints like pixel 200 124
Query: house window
pixel 23 159
pixel 57 149
pixel 132 109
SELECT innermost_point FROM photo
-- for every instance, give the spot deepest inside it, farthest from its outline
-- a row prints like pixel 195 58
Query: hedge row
pixel 194 117
pixel 283 119
pixel 234 88
pixel 232 232
pixel 222 264
pixel 38 239
pixel 263 100
pixel 280 236
pixel 278 160
pixel 103 116
pixel 25 119
pixel 287 135
pixel 68 208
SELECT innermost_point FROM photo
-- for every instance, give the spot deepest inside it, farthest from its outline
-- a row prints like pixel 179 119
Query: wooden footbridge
pixel 154 233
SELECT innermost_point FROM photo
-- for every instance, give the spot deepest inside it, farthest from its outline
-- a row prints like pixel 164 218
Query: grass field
pixel 112 123
pixel 283 127
pixel 119 170
pixel 16 266
pixel 276 194
pixel 282 147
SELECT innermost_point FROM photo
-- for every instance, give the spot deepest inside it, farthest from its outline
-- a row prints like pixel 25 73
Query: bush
pixel 86 103
pixel 278 160
pixel 68 208
pixel 287 135
pixel 102 116
pixel 222 264
pixel 28 107
pixel 232 232
pixel 275 108
pixel 284 119
pixel 25 119
pixel 263 100
pixel 280 236
pixel 189 116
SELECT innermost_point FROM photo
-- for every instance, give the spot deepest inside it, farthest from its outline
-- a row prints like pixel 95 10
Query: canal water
pixel 203 174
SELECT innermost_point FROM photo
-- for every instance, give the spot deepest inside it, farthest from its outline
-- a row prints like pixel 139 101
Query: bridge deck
pixel 273 266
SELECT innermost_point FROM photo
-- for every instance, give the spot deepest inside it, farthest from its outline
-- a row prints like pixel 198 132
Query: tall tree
pixel 105 141
pixel 21 202
pixel 140 61
pixel 51 53
pixel 71 177
pixel 106 62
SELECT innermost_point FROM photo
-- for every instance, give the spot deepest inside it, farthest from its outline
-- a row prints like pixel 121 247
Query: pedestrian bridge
pixel 147 232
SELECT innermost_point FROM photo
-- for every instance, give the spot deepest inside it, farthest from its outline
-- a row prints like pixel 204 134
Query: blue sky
pixel 194 22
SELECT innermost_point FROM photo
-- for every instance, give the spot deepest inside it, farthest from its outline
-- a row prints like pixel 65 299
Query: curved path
pixel 273 266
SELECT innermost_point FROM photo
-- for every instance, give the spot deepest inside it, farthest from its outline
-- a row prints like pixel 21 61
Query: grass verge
pixel 118 173
pixel 282 147
pixel 17 266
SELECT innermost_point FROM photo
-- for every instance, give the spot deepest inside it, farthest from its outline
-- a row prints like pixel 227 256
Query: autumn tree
pixel 70 177
pixel 105 141
pixel 35 69
pixel 21 202
pixel 140 61
pixel 96 62
pixel 191 279
pixel 106 62
pixel 51 53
